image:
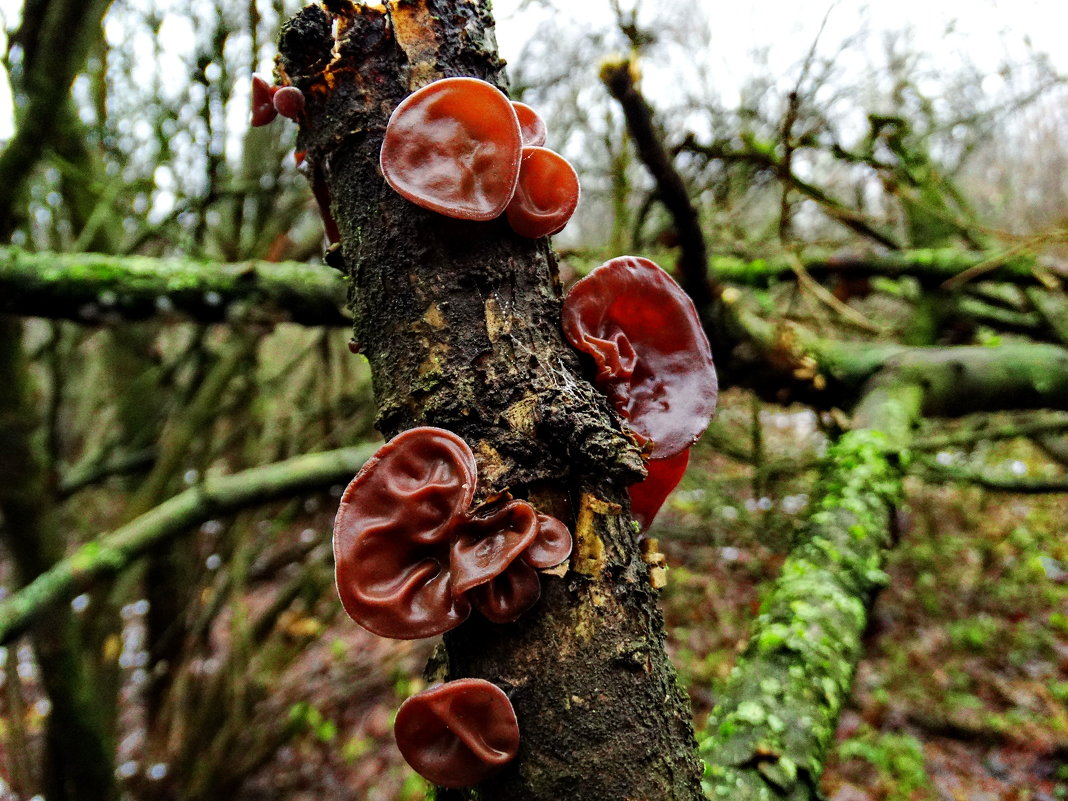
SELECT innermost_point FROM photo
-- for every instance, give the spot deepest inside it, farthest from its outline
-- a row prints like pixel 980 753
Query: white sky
pixel 790 27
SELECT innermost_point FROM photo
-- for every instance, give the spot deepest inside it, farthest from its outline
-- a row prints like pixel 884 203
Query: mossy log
pixel 96 288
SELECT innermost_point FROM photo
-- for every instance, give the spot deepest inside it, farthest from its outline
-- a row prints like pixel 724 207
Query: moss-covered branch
pixel 95 288
pixel 113 552
pixel 775 718
pixel 929 266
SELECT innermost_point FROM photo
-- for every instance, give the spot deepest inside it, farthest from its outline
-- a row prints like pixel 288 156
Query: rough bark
pixel 460 322
pixel 98 288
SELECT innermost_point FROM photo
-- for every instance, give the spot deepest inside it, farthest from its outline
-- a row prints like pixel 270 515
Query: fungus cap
pixel 546 194
pixel 263 110
pixel 454 147
pixel 648 495
pixel 394 531
pixel 531 125
pixel 652 356
pixel 459 733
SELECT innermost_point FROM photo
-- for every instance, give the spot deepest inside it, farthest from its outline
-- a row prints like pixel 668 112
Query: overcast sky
pixel 986 29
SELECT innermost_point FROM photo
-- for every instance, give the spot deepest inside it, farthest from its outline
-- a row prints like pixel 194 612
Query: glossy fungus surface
pixel 531 125
pixel 411 557
pixel 263 110
pixel 485 546
pixel 552 545
pixel 651 354
pixel 647 496
pixel 459 733
pixel 289 102
pixel 394 532
pixel 454 147
pixel 545 196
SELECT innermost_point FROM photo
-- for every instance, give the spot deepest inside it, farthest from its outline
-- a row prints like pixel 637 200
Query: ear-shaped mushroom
pixel 652 357
pixel 647 496
pixel 409 554
pixel 531 125
pixel 486 546
pixel 263 110
pixel 546 195
pixel 454 147
pixel 394 531
pixel 505 597
pixel 552 545
pixel 459 733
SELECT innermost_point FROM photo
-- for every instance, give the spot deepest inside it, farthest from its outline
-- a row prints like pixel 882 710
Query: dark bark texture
pixel 460 322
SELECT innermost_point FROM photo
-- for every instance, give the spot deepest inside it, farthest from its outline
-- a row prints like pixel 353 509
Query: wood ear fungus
pixel 546 194
pixel 531 125
pixel 263 110
pixel 652 356
pixel 648 495
pixel 454 147
pixel 410 556
pixel 459 733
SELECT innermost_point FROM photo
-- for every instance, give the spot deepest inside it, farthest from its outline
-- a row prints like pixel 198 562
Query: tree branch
pixel 113 552
pixel 95 288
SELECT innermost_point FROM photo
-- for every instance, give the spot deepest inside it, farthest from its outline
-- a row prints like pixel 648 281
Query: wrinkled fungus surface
pixel 545 196
pixel 454 147
pixel 459 733
pixel 411 558
pixel 652 357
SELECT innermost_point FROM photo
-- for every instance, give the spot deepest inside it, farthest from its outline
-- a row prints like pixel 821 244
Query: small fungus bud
pixel 459 733
pixel 263 110
pixel 289 102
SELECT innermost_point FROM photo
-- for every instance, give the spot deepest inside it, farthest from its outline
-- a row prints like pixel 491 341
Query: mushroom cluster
pixel 412 558
pixel 460 148
pixel 269 101
pixel 652 360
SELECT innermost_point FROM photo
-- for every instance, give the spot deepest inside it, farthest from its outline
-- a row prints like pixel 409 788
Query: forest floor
pixel 962 694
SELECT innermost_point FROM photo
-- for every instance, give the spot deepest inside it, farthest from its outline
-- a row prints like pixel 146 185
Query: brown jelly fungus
pixel 459 733
pixel 531 125
pixel 651 355
pixel 411 558
pixel 454 147
pixel 263 110
pixel 648 495
pixel 545 196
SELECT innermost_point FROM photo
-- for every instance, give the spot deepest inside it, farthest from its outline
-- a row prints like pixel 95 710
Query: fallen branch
pixel 94 288
pixel 112 553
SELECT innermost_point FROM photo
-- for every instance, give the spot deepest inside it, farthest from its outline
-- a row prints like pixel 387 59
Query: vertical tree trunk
pixel 460 322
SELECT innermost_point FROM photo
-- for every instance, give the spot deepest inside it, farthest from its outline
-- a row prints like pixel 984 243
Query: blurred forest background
pixel 218 665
